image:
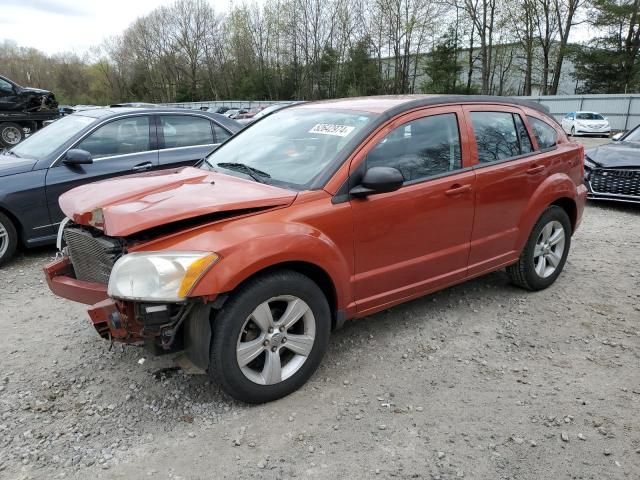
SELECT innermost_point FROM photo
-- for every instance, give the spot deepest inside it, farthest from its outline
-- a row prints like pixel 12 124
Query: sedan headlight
pixel 158 276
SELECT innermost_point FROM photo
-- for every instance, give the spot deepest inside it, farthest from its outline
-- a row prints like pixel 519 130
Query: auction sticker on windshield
pixel 332 129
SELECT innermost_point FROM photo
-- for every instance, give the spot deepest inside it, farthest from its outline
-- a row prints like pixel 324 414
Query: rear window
pixel 589 116
pixel 545 134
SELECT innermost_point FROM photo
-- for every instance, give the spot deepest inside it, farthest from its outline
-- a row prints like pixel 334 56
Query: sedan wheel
pixel 269 337
pixel 8 239
pixel 276 340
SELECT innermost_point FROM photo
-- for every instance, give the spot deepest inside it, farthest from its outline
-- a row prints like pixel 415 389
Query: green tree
pixel 442 68
pixel 609 63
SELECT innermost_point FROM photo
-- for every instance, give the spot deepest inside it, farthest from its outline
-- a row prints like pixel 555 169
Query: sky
pixel 54 26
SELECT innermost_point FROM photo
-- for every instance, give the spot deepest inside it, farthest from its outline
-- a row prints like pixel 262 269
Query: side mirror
pixel 378 180
pixel 76 156
pixel 617 136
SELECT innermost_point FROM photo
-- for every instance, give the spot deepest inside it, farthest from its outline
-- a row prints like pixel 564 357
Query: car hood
pixel 10 165
pixel 35 90
pixel 131 204
pixel 616 155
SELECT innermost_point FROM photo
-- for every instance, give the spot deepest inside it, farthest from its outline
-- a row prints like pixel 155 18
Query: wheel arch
pixel 569 206
pixel 16 223
pixel 198 329
pixel 557 189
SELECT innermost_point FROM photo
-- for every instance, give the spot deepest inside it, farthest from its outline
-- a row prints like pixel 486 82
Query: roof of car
pixel 397 103
pixel 105 113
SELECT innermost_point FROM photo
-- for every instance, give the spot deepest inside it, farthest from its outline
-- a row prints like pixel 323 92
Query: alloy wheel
pixel 276 340
pixel 549 248
pixel 4 240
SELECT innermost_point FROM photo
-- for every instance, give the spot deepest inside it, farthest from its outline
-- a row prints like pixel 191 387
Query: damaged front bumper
pixel 153 325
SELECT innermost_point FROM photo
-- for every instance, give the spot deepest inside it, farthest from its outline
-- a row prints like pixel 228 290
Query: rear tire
pixel 269 337
pixel 11 134
pixel 8 239
pixel 545 252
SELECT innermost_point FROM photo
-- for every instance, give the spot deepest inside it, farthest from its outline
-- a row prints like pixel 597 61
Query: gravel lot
pixel 480 381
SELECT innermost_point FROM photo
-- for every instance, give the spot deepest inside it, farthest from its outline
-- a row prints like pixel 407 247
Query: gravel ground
pixel 480 381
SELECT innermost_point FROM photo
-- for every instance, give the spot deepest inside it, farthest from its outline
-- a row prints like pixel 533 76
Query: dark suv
pixel 89 146
pixel 15 98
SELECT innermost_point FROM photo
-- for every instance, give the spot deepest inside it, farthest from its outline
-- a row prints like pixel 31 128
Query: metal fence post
pixel 626 120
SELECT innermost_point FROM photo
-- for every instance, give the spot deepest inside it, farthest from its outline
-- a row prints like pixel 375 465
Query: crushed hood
pixel 134 203
pixel 616 155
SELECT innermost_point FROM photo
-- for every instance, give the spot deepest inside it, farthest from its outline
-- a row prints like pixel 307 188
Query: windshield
pixel 632 136
pixel 291 147
pixel 46 141
pixel 589 116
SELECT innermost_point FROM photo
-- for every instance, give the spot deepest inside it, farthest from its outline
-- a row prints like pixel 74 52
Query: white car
pixel 586 123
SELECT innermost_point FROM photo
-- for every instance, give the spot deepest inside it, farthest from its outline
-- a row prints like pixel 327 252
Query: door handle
pixel 458 189
pixel 535 169
pixel 142 167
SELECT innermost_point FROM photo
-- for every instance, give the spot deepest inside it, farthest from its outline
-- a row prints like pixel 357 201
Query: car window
pixel 523 135
pixel 496 136
pixel 221 133
pixel 420 149
pixel 545 134
pixel 186 131
pixel 5 86
pixel 120 137
pixel 589 116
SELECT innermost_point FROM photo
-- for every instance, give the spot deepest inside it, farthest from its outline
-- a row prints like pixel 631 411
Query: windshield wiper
pixel 258 175
pixel 9 152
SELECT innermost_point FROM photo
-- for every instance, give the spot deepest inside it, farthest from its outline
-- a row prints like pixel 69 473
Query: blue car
pixel 89 146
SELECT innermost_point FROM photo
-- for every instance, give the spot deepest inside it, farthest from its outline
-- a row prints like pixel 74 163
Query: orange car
pixel 319 213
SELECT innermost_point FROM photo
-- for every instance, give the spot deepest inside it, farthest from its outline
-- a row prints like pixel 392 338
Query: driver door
pixel 123 146
pixel 416 239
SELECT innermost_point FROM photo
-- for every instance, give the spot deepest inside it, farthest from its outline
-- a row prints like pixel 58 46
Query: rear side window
pixel 420 149
pixel 497 137
pixel 221 133
pixel 186 131
pixel 545 134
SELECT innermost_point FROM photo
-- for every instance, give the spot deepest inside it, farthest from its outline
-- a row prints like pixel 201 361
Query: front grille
pixel 616 182
pixel 92 256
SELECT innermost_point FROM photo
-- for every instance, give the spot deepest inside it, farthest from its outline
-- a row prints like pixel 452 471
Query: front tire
pixel 8 239
pixel 269 337
pixel 573 132
pixel 545 252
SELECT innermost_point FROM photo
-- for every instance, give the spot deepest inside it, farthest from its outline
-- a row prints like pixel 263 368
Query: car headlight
pixel 158 276
pixel 589 163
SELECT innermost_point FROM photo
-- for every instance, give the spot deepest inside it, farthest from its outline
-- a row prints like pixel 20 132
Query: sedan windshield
pixel 589 116
pixel 291 147
pixel 46 141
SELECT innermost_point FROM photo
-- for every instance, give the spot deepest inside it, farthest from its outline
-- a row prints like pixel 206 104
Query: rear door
pixel 185 139
pixel 120 147
pixel 508 171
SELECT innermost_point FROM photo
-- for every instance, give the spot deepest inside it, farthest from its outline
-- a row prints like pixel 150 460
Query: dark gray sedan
pixel 90 146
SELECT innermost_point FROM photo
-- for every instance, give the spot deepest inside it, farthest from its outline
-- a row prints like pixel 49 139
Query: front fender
pixel 552 189
pixel 299 243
